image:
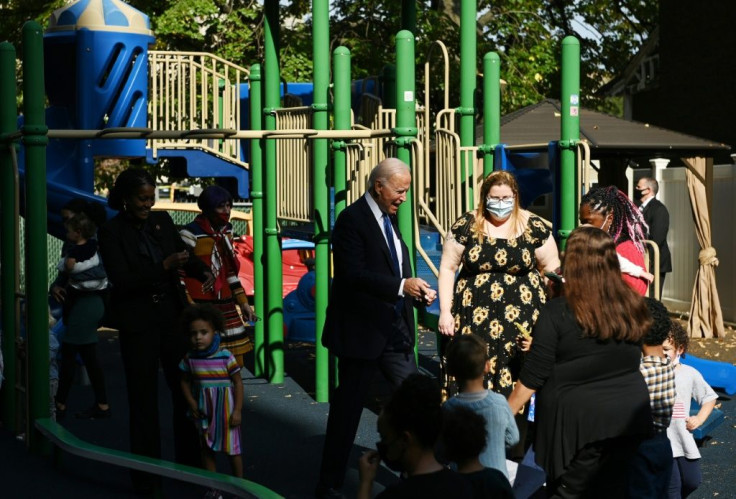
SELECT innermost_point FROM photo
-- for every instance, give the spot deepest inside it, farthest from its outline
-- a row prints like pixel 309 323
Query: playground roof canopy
pixel 538 124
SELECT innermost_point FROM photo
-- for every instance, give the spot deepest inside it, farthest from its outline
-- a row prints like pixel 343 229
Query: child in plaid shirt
pixel 651 467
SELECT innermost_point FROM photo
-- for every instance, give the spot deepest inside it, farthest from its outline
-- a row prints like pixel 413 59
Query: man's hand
pixel 419 289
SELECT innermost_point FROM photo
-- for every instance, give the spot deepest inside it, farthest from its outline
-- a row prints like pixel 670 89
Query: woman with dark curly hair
pixel 592 404
pixel 142 252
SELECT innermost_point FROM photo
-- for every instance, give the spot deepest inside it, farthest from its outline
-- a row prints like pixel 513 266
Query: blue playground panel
pixel 717 374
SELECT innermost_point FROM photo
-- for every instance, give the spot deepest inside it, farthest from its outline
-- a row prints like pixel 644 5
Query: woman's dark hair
pixel 202 312
pixel 604 306
pixel 416 406
pixel 464 434
pixel 661 323
pixel 628 222
pixel 127 183
pixel 679 337
pixel 466 357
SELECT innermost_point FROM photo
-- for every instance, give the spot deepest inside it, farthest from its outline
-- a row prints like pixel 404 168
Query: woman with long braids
pixel 612 211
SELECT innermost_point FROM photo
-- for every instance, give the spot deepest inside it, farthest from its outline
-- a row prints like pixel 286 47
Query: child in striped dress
pixel 212 387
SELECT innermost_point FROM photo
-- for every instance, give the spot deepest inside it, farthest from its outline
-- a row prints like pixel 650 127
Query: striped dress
pixel 213 391
pixel 215 249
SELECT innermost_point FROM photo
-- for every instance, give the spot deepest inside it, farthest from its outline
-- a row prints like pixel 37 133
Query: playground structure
pixel 209 137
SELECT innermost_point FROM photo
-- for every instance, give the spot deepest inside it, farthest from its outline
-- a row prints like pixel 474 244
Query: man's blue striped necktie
pixel 391 246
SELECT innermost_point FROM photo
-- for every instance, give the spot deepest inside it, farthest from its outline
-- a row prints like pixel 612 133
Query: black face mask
pixel 639 193
pixel 393 464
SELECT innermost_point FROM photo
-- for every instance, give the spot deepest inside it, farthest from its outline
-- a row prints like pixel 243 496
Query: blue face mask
pixel 500 209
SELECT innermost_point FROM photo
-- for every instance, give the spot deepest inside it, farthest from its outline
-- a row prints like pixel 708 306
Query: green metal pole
pixel 409 15
pixel 569 134
pixel 491 108
pixel 8 233
pixel 406 130
pixel 256 195
pixel 341 110
pixel 274 278
pixel 35 140
pixel 320 183
pixel 466 110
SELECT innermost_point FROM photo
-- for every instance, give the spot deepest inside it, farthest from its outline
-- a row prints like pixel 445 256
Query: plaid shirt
pixel 660 378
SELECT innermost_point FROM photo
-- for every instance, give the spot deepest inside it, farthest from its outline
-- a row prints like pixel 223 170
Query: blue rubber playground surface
pixel 283 432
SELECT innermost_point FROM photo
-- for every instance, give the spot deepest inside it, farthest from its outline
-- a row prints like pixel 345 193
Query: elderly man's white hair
pixel 385 170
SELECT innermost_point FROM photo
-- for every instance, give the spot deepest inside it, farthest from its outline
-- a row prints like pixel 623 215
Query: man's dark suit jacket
pixel 133 276
pixel 658 219
pixel 364 288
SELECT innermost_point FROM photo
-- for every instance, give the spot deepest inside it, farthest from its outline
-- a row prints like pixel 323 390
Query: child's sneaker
pixel 94 412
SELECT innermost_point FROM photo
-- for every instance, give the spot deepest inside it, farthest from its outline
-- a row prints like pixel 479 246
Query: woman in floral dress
pixel 499 290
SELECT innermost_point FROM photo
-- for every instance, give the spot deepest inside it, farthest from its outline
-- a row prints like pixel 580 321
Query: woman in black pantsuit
pixel 142 252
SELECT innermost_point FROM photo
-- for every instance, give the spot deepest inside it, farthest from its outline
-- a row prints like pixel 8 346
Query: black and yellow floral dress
pixel 497 290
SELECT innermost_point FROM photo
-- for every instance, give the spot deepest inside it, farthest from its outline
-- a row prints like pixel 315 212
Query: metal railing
pixel 195 91
pixel 293 166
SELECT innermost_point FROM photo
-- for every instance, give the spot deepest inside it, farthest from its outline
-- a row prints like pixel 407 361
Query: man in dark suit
pixel 370 321
pixel 658 219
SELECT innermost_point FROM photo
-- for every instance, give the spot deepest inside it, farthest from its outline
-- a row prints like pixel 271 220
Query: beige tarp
pixel 706 319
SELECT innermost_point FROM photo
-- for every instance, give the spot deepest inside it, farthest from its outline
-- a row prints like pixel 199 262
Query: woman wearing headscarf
pixel 142 253
pixel 210 237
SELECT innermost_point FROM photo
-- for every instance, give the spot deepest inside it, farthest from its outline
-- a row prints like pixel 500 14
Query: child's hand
pixel 69 263
pixel 235 419
pixel 368 465
pixel 646 275
pixel 693 423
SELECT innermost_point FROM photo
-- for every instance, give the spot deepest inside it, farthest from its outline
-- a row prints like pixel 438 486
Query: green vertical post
pixel 8 234
pixel 274 278
pixel 466 110
pixel 409 15
pixel 569 134
pixel 256 195
pixel 406 131
pixel 35 139
pixel 341 110
pixel 320 184
pixel 491 108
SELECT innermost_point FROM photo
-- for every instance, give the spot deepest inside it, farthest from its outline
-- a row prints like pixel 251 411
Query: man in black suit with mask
pixel 658 219
pixel 370 321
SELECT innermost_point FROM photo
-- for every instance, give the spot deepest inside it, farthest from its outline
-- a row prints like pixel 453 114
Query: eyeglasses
pixel 504 199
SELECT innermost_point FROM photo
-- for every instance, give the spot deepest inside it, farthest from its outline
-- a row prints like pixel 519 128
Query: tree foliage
pixel 526 34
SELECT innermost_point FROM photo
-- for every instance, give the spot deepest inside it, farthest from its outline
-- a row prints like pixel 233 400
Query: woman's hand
pixel 247 312
pixel 209 282
pixel 176 260
pixel 646 275
pixel 446 324
pixel 524 343
pixel 58 293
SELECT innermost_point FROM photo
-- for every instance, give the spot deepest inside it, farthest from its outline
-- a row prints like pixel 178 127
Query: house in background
pixel 684 79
